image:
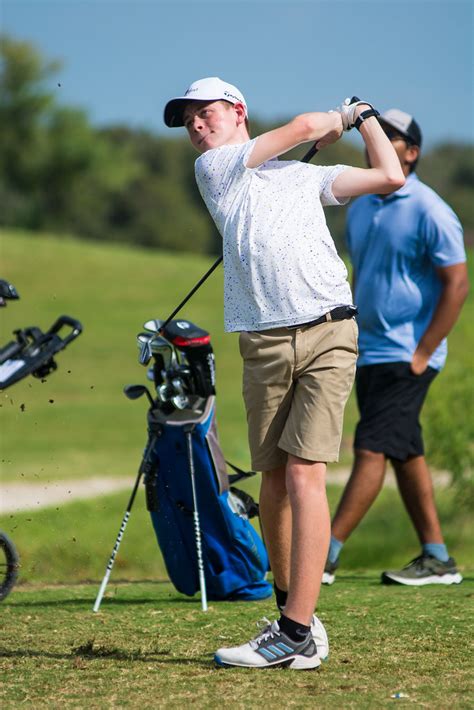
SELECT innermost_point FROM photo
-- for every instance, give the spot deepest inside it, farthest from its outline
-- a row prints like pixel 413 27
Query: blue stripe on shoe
pixel 267 654
pixel 276 650
pixel 285 647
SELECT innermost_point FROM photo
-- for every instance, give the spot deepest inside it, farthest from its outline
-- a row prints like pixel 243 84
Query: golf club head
pixel 143 341
pixel 153 325
pixel 161 346
pixel 180 398
pixel 137 391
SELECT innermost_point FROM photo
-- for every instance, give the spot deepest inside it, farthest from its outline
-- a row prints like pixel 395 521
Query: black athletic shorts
pixel 390 398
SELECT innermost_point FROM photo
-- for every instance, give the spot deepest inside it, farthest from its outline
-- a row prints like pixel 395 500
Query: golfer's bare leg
pixel 275 519
pixel 416 489
pixel 310 532
pixel 362 488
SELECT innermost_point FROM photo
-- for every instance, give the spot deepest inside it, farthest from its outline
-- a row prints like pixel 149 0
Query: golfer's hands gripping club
pixel 350 109
pixel 334 132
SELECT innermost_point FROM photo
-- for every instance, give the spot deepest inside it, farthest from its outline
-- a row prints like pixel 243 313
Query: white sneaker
pixel 329 572
pixel 271 649
pixel 320 638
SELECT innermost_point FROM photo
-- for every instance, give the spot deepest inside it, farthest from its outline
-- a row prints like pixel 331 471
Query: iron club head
pixel 136 391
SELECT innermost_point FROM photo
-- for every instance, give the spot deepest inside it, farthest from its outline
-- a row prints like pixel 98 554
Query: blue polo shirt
pixel 395 244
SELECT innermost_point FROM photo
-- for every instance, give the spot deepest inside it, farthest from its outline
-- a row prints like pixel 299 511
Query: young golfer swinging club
pixel 286 292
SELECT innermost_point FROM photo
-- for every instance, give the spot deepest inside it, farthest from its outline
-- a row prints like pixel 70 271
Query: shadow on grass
pixel 87 652
pixel 372 581
pixel 343 579
pixel 106 604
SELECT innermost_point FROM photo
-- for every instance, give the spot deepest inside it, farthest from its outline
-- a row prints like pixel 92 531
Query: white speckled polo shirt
pixel 280 264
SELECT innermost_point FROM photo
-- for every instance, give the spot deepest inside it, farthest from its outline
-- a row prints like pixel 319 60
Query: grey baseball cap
pixel 403 123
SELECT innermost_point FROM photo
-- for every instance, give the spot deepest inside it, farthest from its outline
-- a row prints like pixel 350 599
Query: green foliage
pixel 59 173
pixel 449 169
pixel 450 430
pixel 161 204
pixel 448 415
pixel 24 105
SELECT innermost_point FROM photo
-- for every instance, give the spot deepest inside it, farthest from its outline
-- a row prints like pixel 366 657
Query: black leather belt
pixel 339 313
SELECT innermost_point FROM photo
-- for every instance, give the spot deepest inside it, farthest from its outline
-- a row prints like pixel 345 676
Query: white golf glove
pixel 347 110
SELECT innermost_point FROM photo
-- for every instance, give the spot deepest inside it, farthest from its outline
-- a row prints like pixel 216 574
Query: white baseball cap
pixel 210 89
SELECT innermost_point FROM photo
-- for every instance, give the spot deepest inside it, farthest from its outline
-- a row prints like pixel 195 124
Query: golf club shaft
pixel 310 154
pixel 305 159
pixel 197 527
pixel 191 293
pixel 117 543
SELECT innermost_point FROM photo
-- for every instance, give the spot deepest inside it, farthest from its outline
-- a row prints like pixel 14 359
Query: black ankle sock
pixel 281 597
pixel 293 629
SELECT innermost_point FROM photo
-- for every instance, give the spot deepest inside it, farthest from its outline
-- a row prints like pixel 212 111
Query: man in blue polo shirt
pixel 410 283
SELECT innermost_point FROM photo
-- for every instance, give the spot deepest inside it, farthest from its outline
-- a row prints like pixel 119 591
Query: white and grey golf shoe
pixel 320 638
pixel 271 648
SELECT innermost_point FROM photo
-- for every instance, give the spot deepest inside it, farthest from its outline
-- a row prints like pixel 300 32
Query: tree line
pixel 61 174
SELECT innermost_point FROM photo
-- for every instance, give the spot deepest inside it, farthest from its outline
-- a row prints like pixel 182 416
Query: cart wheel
pixel 9 564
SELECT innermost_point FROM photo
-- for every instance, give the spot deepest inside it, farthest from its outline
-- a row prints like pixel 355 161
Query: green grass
pixel 72 543
pixel 150 647
pixel 78 423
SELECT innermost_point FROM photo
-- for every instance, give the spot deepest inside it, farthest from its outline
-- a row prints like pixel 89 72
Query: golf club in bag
pixel 200 519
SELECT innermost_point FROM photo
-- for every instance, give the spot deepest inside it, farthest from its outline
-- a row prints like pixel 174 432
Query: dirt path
pixel 32 496
pixel 29 496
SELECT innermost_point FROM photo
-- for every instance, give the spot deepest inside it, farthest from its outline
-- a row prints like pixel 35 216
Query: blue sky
pixel 123 59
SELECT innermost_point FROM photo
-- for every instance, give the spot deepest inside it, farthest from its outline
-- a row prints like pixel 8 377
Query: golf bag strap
pixel 364 115
pixel 239 474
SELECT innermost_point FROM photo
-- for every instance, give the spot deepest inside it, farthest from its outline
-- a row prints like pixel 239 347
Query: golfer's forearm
pixel 302 129
pixel 382 156
pixel 316 125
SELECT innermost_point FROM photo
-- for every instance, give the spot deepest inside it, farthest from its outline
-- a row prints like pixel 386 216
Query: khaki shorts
pixel 295 387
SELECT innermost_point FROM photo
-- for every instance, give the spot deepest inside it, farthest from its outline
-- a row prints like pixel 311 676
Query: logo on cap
pixel 232 96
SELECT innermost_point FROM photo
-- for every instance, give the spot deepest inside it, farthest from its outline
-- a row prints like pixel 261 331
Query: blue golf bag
pixel 201 521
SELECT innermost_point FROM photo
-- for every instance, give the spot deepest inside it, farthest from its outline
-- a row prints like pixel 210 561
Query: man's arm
pixel 385 174
pixel 455 287
pixel 302 129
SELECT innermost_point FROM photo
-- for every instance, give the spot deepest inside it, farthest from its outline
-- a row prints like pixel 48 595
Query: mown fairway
pixel 72 542
pixel 148 647
pixel 78 423
pixel 151 647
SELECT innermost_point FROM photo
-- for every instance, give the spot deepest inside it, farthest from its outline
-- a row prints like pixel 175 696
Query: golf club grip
pixel 313 150
pixel 310 154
